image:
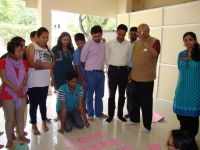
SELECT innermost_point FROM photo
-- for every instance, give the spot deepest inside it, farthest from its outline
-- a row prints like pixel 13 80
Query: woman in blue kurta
pixel 63 54
pixel 187 95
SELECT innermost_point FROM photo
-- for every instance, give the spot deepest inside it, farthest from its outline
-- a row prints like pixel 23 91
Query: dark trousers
pixel 117 77
pixel 37 96
pixel 129 90
pixel 191 124
pixel 142 97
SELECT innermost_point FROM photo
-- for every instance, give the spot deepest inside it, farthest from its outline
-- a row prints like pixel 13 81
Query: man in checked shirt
pixel 144 58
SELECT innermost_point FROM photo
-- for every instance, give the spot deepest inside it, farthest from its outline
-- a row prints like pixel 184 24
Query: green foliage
pixel 16 19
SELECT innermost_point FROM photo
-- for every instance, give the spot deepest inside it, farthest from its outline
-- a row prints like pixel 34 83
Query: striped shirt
pixel 70 99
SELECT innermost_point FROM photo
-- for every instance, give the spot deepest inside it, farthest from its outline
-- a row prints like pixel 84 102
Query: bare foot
pixel 35 130
pixel 1 133
pixel 44 126
pixel 104 115
pixel 13 137
pixel 9 144
pixel 90 118
pixel 1 146
pixel 24 139
pixel 56 119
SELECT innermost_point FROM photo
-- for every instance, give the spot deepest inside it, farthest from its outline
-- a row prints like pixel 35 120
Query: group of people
pixel 78 78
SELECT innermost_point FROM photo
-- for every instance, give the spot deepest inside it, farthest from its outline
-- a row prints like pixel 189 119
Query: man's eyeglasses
pixel 169 144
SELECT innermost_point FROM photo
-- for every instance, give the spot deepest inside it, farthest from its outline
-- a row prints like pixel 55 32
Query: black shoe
pixel 122 118
pixel 109 119
pixel 48 120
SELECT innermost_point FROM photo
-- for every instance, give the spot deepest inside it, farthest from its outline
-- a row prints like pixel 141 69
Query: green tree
pixel 16 19
pixel 86 22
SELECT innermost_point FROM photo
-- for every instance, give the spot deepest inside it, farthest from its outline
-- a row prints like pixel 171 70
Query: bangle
pixel 21 86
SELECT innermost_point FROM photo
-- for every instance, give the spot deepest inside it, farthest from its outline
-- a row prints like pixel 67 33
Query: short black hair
pixel 183 140
pixel 41 30
pixel 122 27
pixel 96 29
pixel 134 29
pixel 12 45
pixel 70 75
pixel 32 34
pixel 79 37
pixel 17 39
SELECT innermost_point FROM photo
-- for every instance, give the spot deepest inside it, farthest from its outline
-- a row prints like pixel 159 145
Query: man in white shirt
pixel 118 54
pixel 130 87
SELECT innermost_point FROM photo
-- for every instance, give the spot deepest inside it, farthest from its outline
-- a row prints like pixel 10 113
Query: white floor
pixel 127 134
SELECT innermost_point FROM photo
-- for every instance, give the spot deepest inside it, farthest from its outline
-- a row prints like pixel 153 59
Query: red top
pixel 5 95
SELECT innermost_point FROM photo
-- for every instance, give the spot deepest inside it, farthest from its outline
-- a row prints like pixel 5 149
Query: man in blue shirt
pixel 69 106
pixel 80 42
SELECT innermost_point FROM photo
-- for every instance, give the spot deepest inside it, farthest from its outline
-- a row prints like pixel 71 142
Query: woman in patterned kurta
pixel 187 95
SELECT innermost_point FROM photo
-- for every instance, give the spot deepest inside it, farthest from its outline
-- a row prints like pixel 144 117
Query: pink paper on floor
pixel 82 148
pixel 82 140
pixel 113 141
pixel 126 148
pixel 154 147
pixel 93 147
pixel 70 143
pixel 92 137
pixel 155 117
pixel 104 144
pixel 101 134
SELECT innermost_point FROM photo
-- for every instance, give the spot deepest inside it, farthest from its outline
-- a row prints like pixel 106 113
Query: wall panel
pixel 167 82
pixel 183 14
pixel 151 17
pixel 172 41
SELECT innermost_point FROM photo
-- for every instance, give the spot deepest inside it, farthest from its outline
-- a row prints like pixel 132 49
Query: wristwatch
pixel 86 121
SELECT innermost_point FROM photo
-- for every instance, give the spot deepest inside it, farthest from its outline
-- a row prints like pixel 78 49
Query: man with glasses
pixel 145 55
pixel 118 54
pixel 130 86
pixel 92 59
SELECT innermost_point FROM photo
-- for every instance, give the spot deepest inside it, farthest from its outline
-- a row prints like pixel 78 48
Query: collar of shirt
pixel 96 42
pixel 115 40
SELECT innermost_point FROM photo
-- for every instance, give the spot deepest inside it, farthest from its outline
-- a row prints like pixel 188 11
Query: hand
pixel 87 124
pixel 83 82
pixel 103 39
pixel 19 94
pixel 48 65
pixel 61 130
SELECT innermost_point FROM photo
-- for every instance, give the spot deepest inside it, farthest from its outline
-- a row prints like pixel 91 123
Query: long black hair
pixel 183 140
pixel 59 42
pixel 195 54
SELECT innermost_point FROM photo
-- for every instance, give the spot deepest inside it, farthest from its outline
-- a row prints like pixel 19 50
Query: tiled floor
pixel 127 134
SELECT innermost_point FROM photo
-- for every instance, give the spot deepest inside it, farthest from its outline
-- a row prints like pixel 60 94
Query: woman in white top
pixel 40 61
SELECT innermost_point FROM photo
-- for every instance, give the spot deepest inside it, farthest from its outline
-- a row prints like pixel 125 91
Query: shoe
pixel 122 118
pixel 126 116
pixel 109 119
pixel 144 130
pixel 131 123
pixel 48 120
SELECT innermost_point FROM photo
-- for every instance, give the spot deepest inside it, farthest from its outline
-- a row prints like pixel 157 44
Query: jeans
pixel 95 85
pixel 84 97
pixel 73 118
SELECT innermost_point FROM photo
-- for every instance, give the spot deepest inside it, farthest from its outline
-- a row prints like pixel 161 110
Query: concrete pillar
pixel 44 16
